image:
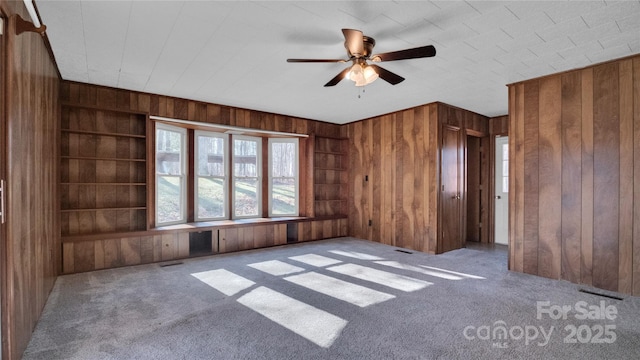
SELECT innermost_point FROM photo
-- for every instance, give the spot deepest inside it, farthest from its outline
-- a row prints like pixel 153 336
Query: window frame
pixel 225 178
pixel 296 176
pixel 183 176
pixel 233 177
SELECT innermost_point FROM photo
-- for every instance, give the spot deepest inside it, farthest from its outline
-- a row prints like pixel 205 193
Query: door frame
pixel 493 189
pixel 4 307
pixel 492 186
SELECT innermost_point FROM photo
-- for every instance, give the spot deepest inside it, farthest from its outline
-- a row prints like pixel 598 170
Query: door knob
pixel 457 197
pixel 498 197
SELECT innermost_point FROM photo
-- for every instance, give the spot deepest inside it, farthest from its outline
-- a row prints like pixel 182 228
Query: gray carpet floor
pixel 333 299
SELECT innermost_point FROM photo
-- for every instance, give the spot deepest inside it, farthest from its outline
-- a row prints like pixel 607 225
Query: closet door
pixel 451 186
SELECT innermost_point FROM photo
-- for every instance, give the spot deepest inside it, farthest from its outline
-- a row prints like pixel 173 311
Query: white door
pixel 502 191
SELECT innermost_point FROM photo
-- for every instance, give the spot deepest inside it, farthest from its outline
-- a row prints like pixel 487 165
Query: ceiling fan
pixel 359 49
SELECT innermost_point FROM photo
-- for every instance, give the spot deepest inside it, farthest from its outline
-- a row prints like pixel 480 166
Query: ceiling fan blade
pixel 419 52
pixel 354 42
pixel 338 77
pixel 316 60
pixel 387 75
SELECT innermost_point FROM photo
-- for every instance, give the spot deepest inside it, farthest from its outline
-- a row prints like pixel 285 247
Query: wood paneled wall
pixel 90 251
pixel 499 125
pixel 143 248
pixel 575 169
pixel 394 174
pixel 31 249
pixel 393 178
pixel 106 98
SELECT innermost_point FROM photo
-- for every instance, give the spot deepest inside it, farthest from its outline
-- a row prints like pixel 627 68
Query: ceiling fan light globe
pixel 356 73
pixel 361 82
pixel 370 75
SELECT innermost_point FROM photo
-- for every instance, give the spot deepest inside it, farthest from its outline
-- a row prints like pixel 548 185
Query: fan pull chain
pixel 359 91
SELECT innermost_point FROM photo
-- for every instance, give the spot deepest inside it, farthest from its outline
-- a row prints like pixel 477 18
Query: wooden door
pixel 451 160
pixel 3 162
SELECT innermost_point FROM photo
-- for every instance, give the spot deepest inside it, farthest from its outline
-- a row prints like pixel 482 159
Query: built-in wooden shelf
pixel 103 171
pixel 330 176
pixel 106 209
pixel 100 158
pixel 104 183
pixel 98 133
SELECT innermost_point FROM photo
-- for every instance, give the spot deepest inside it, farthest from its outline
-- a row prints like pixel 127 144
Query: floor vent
pixel 600 294
pixel 171 264
pixel 404 251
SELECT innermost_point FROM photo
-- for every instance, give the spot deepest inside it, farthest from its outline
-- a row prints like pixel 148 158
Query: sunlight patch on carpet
pixel 395 281
pixel 356 255
pixel 315 260
pixel 224 281
pixel 342 290
pixel 276 267
pixel 454 272
pixel 442 275
pixel 315 325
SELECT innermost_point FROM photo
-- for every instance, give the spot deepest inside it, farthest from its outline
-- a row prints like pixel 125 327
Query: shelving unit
pixel 330 176
pixel 103 171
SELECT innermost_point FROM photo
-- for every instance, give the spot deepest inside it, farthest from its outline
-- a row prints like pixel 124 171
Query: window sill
pixel 195 226
pixel 243 222
pixel 229 223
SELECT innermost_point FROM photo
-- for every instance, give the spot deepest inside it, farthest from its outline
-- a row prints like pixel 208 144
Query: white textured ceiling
pixel 234 52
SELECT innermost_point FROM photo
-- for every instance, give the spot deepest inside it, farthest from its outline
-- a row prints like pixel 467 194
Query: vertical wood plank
pixel 67 258
pixel 259 238
pixel 513 206
pixel 281 238
pixel 376 181
pixel 636 178
pixel 130 249
pixel 99 254
pixel 550 181
pixel 571 173
pixel 157 248
pixel 518 185
pixel 421 191
pixel 183 245
pixel 408 181
pixel 146 249
pixel 112 254
pixel 387 179
pixel 433 177
pixel 606 176
pixel 531 172
pixel 625 248
pixel 169 247
pixel 586 244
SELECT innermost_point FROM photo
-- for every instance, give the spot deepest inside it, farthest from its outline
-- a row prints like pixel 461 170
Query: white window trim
pixel 197 177
pixel 259 177
pixel 183 176
pixel 296 175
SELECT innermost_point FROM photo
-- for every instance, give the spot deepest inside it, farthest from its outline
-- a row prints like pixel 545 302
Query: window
pixel 222 175
pixel 283 177
pixel 505 168
pixel 247 171
pixel 211 159
pixel 171 147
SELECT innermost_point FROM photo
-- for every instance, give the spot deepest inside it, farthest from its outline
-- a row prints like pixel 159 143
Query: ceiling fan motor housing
pixel 368 44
